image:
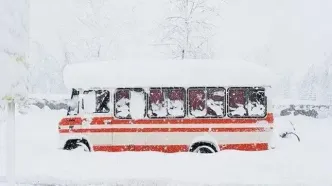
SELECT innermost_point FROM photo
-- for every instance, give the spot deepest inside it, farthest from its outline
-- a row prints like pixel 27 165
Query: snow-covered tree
pixel 96 44
pixel 324 90
pixel 48 65
pixel 187 33
pixel 14 69
pixel 14 48
pixel 308 87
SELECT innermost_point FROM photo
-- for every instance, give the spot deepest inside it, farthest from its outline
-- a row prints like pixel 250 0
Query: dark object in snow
pixel 287 134
pixel 290 133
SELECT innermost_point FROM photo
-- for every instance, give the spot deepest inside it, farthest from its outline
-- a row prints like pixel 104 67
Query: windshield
pixel 89 101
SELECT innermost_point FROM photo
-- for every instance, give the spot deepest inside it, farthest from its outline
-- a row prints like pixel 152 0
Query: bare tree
pixel 187 33
pixel 97 21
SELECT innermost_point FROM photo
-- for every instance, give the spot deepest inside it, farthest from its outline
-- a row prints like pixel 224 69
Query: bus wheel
pixel 203 148
pixel 77 145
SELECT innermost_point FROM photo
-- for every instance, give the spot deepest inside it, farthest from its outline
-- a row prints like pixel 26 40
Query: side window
pixel 122 104
pixel 216 102
pixel 176 102
pixel 157 104
pixel 236 102
pixel 197 102
pixel 103 99
pixel 129 103
pixel 166 102
pixel 256 103
pixel 246 102
pixel 207 102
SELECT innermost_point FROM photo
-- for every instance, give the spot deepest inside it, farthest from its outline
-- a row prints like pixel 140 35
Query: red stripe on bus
pixel 71 121
pixel 90 130
pixel 177 148
pixel 101 120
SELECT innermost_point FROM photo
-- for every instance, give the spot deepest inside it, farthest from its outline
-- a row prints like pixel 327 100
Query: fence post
pixel 11 143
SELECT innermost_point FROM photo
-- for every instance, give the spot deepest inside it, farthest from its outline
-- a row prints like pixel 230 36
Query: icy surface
pixel 308 162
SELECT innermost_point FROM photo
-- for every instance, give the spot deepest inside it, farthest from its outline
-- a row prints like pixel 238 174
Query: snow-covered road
pixel 38 161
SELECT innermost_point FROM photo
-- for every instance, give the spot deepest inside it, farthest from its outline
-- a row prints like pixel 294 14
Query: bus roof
pixel 166 73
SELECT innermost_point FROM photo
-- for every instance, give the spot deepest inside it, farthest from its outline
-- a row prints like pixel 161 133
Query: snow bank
pixel 290 163
pixel 182 73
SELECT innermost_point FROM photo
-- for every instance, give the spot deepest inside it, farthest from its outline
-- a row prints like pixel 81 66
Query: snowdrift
pixel 290 163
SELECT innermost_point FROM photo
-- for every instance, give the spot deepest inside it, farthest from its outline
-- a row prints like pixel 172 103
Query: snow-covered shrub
pixel 314 111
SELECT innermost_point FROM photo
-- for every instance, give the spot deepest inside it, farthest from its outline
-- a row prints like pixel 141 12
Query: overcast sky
pixel 284 34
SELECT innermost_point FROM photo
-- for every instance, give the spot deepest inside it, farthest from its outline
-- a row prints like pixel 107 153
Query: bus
pixel 201 106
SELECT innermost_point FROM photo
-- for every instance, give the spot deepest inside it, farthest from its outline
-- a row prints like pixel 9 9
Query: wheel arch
pixel 70 141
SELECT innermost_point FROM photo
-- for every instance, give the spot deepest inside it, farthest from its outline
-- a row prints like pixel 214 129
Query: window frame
pixel 206 94
pixel 247 89
pixel 129 89
pixel 162 89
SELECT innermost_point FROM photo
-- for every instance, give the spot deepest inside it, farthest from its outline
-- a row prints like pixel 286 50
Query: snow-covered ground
pixel 39 162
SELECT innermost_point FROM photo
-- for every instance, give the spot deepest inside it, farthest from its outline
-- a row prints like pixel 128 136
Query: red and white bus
pixel 201 106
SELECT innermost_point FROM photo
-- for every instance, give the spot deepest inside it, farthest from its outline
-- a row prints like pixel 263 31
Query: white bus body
pixel 168 106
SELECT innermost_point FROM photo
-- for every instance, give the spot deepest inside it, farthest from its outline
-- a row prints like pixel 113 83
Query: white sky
pixel 285 34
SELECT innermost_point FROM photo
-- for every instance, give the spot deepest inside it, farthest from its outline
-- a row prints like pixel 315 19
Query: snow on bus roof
pixel 166 73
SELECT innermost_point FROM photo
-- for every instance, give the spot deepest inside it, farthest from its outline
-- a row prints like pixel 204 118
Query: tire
pixel 203 148
pixel 77 145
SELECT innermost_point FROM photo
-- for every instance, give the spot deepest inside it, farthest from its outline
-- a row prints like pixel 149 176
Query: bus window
pixel 166 102
pixel 122 104
pixel 176 99
pixel 103 100
pixel 130 103
pixel 236 102
pixel 157 104
pixel 256 103
pixel 246 102
pixel 216 102
pixel 207 102
pixel 197 100
pixel 95 101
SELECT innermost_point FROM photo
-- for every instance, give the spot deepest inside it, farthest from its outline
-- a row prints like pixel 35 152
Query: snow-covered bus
pixel 201 106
